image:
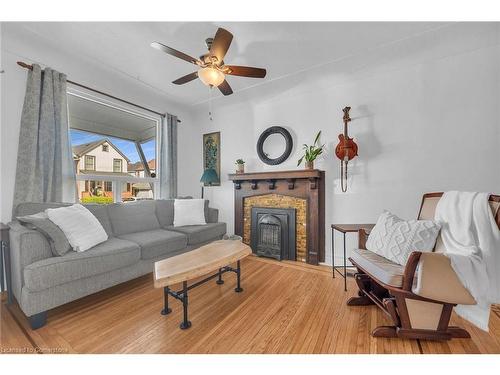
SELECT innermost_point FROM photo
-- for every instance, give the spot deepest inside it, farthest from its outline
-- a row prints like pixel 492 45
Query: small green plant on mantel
pixel 311 152
pixel 240 166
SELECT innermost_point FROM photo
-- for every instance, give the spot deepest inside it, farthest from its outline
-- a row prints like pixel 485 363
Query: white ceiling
pixel 283 48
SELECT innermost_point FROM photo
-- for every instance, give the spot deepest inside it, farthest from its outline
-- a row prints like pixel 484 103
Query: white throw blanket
pixel 472 241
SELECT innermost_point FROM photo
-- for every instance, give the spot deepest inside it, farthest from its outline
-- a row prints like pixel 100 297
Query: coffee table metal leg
pixel 185 323
pixel 166 310
pixel 238 288
pixel 219 280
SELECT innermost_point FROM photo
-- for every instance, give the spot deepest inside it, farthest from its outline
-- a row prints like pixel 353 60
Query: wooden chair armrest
pixel 362 237
pixel 410 268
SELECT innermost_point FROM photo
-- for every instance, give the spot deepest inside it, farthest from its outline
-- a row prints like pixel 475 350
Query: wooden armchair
pixel 418 297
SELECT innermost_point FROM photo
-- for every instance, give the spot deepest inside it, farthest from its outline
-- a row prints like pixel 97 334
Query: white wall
pixel 426 120
pixel 29 48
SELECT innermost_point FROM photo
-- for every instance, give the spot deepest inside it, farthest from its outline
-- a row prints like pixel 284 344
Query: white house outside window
pixel 115 149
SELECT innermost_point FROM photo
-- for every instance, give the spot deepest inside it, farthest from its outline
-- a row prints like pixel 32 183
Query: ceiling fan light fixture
pixel 211 76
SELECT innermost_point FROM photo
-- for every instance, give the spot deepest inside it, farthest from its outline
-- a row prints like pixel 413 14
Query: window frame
pixel 89 157
pixel 119 181
pixel 121 165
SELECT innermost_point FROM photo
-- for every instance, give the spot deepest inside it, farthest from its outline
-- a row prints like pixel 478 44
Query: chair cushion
pixel 157 242
pixel 107 256
pixel 132 217
pixel 395 239
pixel 201 233
pixel 380 268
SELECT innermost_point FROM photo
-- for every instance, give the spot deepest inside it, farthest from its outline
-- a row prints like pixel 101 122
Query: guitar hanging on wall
pixel 346 150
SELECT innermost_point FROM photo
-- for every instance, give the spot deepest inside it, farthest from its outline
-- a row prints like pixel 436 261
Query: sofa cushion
pixel 59 244
pixel 80 226
pixel 30 208
pixel 107 256
pixel 165 212
pixel 189 212
pixel 132 217
pixel 380 268
pixel 201 233
pixel 157 242
pixel 100 211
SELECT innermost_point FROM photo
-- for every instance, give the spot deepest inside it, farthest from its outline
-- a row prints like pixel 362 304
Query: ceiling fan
pixel 212 69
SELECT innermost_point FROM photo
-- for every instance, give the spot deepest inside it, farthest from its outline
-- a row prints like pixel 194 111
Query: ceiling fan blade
pixel 187 78
pixel 174 52
pixel 225 88
pixel 245 71
pixel 221 43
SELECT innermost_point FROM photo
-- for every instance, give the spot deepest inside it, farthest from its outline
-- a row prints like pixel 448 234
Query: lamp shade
pixel 209 176
pixel 211 76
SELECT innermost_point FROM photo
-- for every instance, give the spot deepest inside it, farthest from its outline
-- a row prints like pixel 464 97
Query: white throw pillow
pixel 395 239
pixel 189 212
pixel 80 226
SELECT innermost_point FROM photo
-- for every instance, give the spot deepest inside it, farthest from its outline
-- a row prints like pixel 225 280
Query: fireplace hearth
pixel 273 232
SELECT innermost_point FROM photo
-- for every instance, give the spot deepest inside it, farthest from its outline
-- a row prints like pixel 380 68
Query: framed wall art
pixel 211 154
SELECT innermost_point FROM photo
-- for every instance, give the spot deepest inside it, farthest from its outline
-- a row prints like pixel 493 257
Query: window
pixel 108 140
pixel 108 186
pixel 89 163
pixel 117 165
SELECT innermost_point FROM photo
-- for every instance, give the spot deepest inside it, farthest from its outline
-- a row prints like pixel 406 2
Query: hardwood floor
pixel 286 307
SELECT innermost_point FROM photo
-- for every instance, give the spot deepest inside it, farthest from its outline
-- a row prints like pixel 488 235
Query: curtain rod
pixel 30 67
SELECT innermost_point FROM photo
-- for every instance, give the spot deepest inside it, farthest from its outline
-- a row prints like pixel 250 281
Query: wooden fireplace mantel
pixel 312 175
pixel 308 184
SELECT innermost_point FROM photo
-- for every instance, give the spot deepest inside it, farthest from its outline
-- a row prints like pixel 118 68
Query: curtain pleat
pixel 45 169
pixel 168 154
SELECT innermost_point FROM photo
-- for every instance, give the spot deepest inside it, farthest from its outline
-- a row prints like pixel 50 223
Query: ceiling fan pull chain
pixel 210 103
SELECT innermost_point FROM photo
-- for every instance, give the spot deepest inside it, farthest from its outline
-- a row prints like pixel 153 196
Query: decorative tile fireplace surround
pixel 302 191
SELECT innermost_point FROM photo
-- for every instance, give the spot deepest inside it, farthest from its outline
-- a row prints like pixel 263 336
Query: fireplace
pixel 300 190
pixel 273 232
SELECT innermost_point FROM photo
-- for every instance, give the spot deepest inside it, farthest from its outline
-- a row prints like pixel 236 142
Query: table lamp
pixel 209 176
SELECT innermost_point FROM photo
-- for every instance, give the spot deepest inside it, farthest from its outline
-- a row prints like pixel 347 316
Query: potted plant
pixel 240 166
pixel 311 152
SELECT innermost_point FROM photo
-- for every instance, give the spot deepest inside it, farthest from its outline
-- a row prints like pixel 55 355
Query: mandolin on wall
pixel 345 150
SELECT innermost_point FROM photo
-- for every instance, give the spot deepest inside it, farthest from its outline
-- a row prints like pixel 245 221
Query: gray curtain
pixel 168 156
pixel 45 169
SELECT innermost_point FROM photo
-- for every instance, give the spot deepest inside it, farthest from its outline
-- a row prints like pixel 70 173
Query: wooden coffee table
pixel 216 256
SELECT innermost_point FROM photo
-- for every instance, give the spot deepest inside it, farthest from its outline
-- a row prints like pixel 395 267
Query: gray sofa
pixel 140 233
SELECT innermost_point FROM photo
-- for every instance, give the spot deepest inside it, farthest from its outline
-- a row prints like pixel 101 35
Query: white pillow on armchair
pixel 189 212
pixel 395 239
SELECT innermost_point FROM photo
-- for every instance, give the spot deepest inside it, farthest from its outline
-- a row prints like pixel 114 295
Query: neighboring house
pixel 100 158
pixel 141 189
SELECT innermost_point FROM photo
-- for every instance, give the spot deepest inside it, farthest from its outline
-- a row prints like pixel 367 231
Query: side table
pixel 345 228
pixel 5 262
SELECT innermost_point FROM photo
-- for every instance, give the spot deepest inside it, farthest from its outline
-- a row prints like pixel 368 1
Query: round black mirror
pixel 274 145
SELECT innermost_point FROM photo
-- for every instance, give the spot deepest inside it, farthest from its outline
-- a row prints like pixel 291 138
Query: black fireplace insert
pixel 273 232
